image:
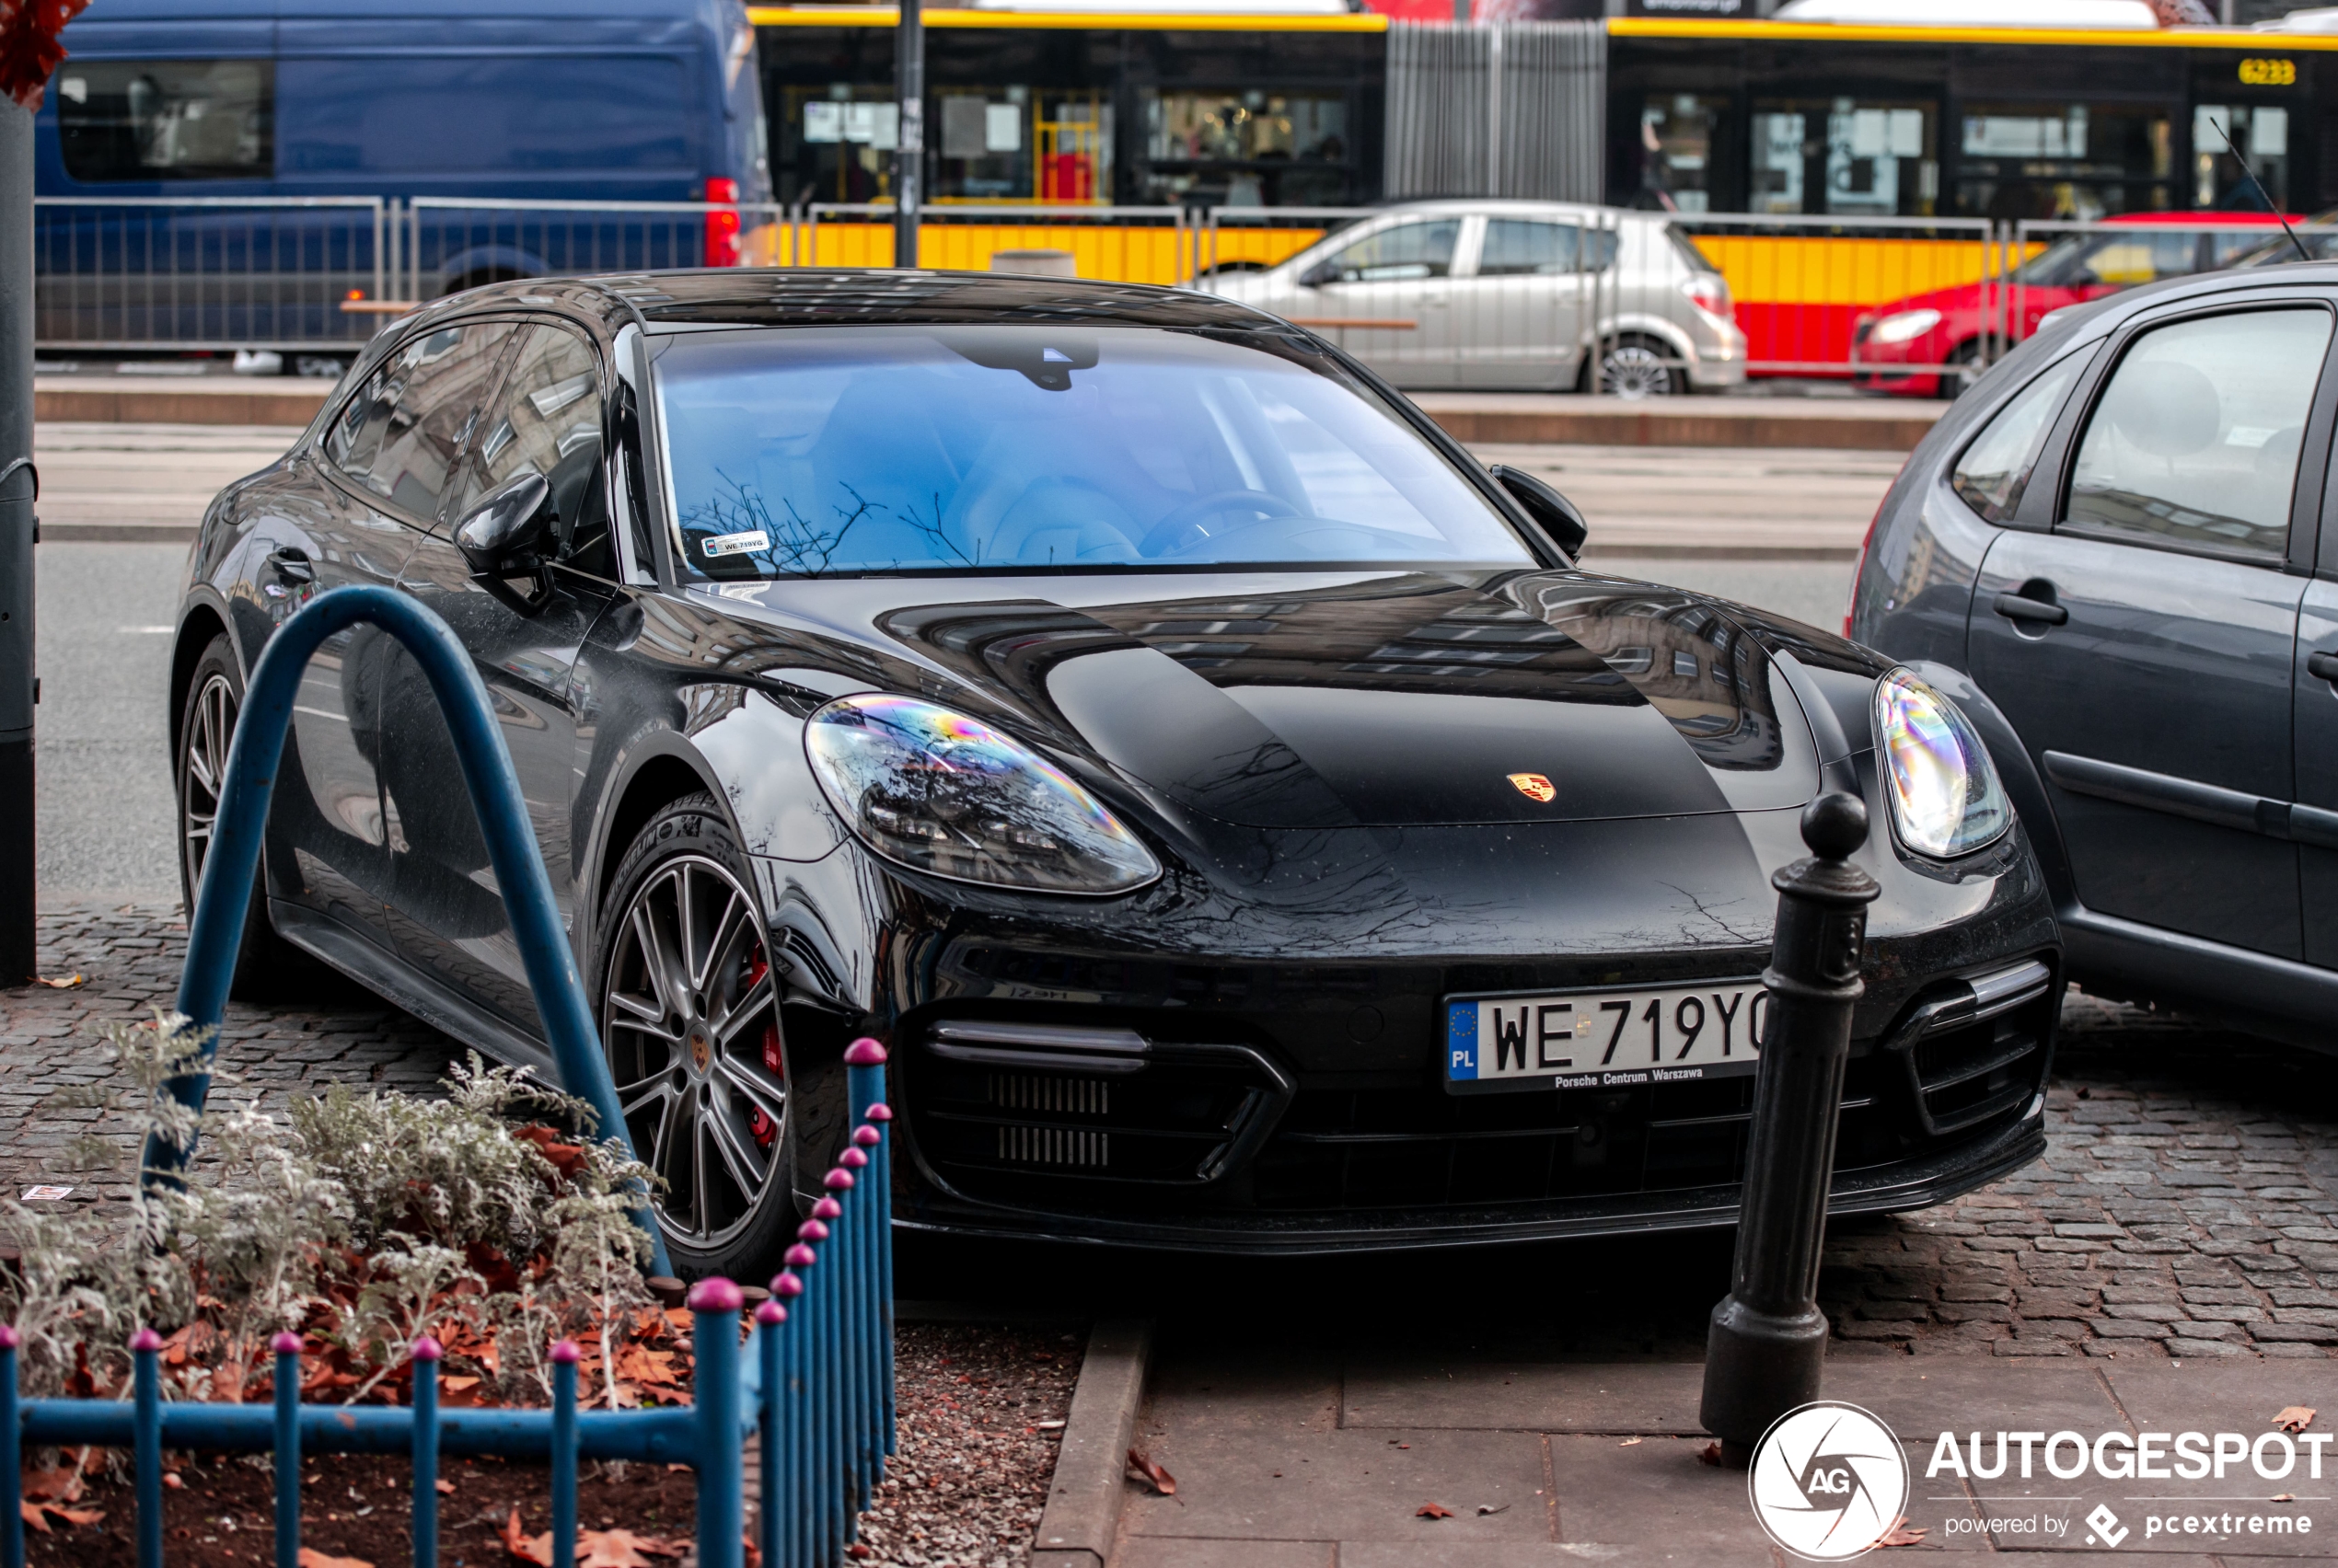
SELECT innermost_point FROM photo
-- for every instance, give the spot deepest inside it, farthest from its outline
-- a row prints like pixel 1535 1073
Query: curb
pixel 1083 1501
pixel 207 400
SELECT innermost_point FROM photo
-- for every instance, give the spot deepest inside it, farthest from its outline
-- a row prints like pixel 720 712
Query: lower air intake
pixel 1054 1146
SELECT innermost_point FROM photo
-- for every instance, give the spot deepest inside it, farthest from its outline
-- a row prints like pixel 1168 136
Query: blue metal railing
pixel 818 1388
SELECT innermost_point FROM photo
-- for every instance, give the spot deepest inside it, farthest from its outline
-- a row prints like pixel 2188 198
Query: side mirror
pixel 509 534
pixel 1552 512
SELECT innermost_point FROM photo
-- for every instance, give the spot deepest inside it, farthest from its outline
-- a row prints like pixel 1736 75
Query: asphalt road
pixel 104 610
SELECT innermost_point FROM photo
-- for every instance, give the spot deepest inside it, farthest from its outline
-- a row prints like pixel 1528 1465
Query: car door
pixel 2314 820
pixel 376 482
pixel 523 637
pixel 2142 647
pixel 1519 305
pixel 1396 281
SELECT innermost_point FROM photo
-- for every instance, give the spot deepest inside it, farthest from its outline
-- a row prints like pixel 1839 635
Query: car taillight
pixel 1866 541
pixel 1709 292
pixel 723 228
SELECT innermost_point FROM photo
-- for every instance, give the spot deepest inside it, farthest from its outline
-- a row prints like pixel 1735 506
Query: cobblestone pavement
pixel 2187 1207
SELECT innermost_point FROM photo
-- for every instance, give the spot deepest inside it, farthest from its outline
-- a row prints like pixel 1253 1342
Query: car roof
pixel 830 296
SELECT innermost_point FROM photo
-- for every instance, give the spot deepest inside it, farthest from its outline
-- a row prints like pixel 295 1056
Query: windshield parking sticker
pixel 753 542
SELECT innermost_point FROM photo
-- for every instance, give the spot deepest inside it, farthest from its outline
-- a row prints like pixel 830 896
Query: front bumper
pixel 1200 1128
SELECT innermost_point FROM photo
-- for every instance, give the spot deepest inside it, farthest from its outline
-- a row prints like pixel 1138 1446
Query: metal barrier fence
pixel 1132 245
pixel 1894 303
pixel 214 273
pixel 817 1388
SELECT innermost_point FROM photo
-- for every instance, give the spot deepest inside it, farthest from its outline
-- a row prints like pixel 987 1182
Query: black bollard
pixel 1768 1339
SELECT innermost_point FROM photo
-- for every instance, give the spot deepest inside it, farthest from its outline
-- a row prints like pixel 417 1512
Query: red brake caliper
pixel 763 1128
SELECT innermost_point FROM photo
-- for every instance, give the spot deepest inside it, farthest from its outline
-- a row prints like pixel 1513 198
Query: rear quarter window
pixel 1994 469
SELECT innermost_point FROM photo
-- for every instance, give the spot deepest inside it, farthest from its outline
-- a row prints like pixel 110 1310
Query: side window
pixel 1527 247
pixel 398 433
pixel 2125 262
pixel 548 421
pixel 2196 439
pixel 1994 469
pixel 167 120
pixel 1401 254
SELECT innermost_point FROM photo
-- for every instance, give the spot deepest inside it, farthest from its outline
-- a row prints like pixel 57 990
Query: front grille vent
pixel 1028 1091
pixel 1054 1146
pixel 1978 1050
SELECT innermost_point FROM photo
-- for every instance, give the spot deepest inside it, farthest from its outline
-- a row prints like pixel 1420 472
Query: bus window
pixel 2262 135
pixel 1258 147
pixel 2070 161
pixel 1680 160
pixel 836 143
pixel 1849 157
pixel 121 119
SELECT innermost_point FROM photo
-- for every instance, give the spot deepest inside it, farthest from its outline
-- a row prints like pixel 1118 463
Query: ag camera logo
pixel 1828 1479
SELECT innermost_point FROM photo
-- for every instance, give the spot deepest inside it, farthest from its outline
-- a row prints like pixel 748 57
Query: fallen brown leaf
pixel 446 1485
pixel 1141 1468
pixel 527 1548
pixel 1629 1441
pixel 1710 1454
pixel 1432 1511
pixel 67 984
pixel 621 1548
pixel 60 1485
pixel 2295 1418
pixel 2283 1497
pixel 312 1558
pixel 38 1515
pixel 1902 1533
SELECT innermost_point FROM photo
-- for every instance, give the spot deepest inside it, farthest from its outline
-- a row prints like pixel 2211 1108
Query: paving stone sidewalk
pixel 2188 1206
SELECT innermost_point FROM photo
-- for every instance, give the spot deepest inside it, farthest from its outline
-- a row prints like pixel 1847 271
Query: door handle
pixel 2322 667
pixel 291 563
pixel 2018 607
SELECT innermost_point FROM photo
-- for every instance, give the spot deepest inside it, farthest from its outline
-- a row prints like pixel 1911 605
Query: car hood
pixel 1390 700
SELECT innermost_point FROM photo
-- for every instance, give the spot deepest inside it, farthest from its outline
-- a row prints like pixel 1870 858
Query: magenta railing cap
pixel 7 1336
pixel 864 1053
pixel 286 1343
pixel 853 1158
pixel 880 1112
pixel 800 1256
pixel 867 1137
pixel 837 1181
pixel 715 1295
pixel 145 1338
pixel 565 1353
pixel 769 1312
pixel 427 1349
pixel 827 1209
pixel 812 1230
pixel 786 1284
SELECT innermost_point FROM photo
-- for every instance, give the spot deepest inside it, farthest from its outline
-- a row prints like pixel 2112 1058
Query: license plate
pixel 1600 1039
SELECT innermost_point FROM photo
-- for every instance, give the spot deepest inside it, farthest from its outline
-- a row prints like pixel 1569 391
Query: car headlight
pixel 1946 799
pixel 1902 325
pixel 938 791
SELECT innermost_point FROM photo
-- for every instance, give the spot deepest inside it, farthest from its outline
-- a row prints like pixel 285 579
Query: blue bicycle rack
pixel 814 1380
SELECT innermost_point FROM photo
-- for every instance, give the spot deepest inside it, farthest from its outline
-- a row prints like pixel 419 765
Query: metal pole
pixel 19 487
pixel 1768 1339
pixel 908 158
pixel 720 1457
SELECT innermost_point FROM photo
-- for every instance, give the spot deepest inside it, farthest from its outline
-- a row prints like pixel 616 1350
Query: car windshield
pixel 2318 235
pixel 806 452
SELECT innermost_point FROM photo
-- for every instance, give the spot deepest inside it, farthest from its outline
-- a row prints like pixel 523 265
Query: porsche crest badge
pixel 1534 787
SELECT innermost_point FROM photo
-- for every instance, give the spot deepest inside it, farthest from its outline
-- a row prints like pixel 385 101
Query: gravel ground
pixel 981 1413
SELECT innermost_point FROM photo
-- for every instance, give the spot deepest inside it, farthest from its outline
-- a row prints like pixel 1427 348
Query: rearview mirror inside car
pixel 1552 513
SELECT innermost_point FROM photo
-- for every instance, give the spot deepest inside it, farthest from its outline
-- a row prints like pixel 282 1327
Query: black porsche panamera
pixel 1247 825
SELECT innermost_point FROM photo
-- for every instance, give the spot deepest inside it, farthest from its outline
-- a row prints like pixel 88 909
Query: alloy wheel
pixel 210 731
pixel 690 1022
pixel 1634 370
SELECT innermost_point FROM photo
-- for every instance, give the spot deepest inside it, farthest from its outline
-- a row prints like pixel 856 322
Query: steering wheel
pixel 1168 536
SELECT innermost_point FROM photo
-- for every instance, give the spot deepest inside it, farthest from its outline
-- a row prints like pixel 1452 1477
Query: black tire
pixel 1634 366
pixel 699 1061
pixel 268 968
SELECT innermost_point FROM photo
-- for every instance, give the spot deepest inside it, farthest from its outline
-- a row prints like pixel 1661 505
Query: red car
pixel 1945 327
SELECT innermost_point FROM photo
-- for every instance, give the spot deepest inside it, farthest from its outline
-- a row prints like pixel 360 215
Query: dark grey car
pixel 2115 556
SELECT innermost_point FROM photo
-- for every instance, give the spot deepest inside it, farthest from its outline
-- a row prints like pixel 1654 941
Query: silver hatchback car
pixel 1512 296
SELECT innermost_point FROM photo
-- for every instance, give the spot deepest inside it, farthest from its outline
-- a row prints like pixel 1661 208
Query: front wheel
pixel 689 1018
pixel 1636 365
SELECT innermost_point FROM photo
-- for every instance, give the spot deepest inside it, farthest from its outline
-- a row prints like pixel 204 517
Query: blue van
pixel 182 130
